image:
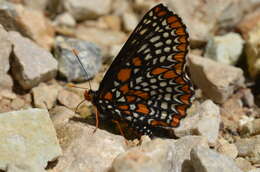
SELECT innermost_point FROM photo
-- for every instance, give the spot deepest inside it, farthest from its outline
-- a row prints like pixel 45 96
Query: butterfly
pixel 147 85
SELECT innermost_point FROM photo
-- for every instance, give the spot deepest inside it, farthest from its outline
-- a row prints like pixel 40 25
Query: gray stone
pixel 60 115
pixel 31 64
pixel 205 121
pixel 217 81
pixel 158 156
pixel 225 49
pixel 82 10
pixel 17 18
pixel 69 66
pixel 5 50
pixel 45 96
pixel 207 160
pixel 84 150
pixel 250 148
pixel 27 140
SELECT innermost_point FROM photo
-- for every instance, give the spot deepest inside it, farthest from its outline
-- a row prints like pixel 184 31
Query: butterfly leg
pixel 119 127
pixel 97 120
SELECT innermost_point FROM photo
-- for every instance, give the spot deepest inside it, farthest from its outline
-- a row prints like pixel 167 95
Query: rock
pixel 225 49
pixel 232 111
pixel 5 105
pixel 84 150
pixel 36 4
pixel 217 81
pixel 249 148
pixel 45 96
pixel 69 66
pixel 255 170
pixel 119 7
pixel 243 164
pixel 68 99
pixel 31 64
pixel 205 15
pixel 5 50
pixel 60 115
pixel 17 18
pixel 18 103
pixel 28 140
pixel 251 128
pixel 249 27
pixel 205 160
pixel 205 122
pixel 158 155
pixel 130 21
pixel 226 148
pixel 97 36
pixel 252 51
pixel 87 9
pixel 113 22
pixel 248 23
pixel 65 19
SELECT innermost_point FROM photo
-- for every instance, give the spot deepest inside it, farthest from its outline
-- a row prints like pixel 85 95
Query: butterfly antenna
pixel 75 52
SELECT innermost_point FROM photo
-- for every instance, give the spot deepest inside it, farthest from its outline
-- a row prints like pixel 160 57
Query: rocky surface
pixel 28 140
pixel 30 63
pixel 205 121
pixel 225 49
pixel 69 66
pixel 220 132
pixel 217 81
pixel 6 81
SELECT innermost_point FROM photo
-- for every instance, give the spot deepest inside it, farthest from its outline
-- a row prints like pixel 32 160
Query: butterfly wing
pixel 147 83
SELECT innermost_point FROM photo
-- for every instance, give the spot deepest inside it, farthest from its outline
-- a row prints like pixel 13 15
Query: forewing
pixel 147 84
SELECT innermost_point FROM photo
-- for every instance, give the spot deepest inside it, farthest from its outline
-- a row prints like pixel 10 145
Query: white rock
pixel 225 49
pixel 205 122
pixel 27 140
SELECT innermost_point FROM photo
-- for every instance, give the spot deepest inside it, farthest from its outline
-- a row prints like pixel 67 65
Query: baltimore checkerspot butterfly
pixel 147 85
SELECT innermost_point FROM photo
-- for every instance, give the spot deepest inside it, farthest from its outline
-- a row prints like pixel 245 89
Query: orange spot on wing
pixel 123 107
pixel 179 57
pixel 176 24
pixel 124 74
pixel 137 61
pixel 172 19
pixel 142 109
pixel 161 13
pixel 108 96
pixel 175 122
pixel 158 71
pixel 186 88
pixel 169 74
pixel 130 98
pixel 127 112
pixel 158 123
pixel 178 68
pixel 182 47
pixel 179 80
pixel 183 39
pixel 185 98
pixel 182 110
pixel 157 9
pixel 141 94
pixel 124 88
pixel 180 31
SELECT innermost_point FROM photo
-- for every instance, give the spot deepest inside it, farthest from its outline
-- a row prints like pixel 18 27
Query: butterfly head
pixel 89 94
